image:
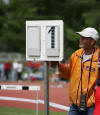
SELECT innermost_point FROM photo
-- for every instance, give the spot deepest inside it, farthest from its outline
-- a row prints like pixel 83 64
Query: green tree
pixel 76 16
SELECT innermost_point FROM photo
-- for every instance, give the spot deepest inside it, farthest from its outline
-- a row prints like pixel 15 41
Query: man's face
pixel 85 42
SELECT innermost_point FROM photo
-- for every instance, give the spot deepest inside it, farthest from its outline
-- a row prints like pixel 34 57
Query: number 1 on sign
pixel 52 31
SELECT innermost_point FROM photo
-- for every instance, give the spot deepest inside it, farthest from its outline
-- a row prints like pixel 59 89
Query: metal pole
pixel 37 102
pixel 46 89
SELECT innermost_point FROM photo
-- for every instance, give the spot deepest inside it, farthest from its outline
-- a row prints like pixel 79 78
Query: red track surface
pixel 56 95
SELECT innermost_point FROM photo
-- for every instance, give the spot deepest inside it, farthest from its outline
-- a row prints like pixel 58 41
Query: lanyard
pixel 82 73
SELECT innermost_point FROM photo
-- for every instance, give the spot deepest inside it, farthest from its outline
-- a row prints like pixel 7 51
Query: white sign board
pixel 44 40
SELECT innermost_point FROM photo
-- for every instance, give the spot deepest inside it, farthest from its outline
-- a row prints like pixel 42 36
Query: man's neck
pixel 89 51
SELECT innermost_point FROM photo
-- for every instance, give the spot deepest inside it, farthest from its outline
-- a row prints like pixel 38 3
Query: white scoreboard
pixel 44 40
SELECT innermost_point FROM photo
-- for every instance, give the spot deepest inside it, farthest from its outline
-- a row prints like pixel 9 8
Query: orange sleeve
pixel 65 70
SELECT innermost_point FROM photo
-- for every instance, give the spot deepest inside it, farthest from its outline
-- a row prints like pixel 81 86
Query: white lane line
pixel 62 107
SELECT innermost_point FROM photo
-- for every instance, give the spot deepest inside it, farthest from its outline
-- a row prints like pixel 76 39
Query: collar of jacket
pixel 95 55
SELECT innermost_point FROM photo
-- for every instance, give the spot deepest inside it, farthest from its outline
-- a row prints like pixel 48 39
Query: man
pixel 83 73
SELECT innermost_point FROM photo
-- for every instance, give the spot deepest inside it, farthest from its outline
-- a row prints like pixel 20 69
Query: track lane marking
pixel 59 106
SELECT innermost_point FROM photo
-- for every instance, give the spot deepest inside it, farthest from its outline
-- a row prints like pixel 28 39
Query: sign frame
pixel 43 25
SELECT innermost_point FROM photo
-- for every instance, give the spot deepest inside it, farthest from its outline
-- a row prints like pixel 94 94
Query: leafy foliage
pixel 76 14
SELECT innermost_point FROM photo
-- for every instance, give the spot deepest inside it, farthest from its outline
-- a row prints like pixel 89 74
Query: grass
pixel 17 111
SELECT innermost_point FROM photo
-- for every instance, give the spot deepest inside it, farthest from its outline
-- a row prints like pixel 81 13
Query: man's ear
pixel 93 42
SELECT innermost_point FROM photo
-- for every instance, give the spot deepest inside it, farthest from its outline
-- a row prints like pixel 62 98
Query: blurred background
pixel 76 14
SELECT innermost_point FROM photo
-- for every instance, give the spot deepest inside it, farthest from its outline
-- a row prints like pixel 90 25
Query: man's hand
pixel 53 64
pixel 95 87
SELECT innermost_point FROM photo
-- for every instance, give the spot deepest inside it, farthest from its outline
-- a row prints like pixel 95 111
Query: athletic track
pixel 58 97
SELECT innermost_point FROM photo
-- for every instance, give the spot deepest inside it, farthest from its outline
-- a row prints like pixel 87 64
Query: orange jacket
pixel 73 71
